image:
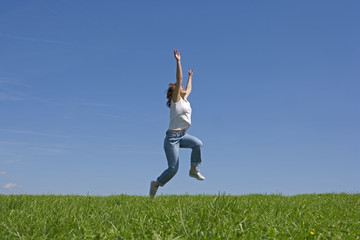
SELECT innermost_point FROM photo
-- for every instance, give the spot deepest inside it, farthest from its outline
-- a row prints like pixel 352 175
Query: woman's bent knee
pixel 198 144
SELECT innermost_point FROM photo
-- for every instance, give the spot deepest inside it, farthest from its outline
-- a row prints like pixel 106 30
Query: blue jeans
pixel 172 144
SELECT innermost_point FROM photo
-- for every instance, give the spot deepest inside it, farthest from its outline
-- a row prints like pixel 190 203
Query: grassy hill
pixel 324 216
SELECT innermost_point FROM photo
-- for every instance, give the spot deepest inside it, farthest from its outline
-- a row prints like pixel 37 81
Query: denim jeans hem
pixel 160 184
pixel 195 164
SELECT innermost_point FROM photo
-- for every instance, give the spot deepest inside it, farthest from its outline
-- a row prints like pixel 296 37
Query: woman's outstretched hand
pixel 191 73
pixel 177 55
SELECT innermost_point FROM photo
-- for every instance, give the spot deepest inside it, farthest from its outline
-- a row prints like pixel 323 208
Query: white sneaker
pixel 153 189
pixel 196 174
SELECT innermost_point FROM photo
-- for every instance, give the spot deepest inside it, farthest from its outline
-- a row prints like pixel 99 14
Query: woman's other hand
pixel 191 73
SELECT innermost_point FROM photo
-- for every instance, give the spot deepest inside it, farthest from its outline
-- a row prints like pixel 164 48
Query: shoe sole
pixel 151 186
pixel 200 179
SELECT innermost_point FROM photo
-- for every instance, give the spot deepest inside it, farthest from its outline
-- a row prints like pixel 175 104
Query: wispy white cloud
pixel 11 89
pixel 11 154
pixel 113 116
pixel 45 150
pixel 64 102
pixel 2 172
pixel 7 94
pixel 89 103
pixel 11 186
pixel 9 97
pixel 8 161
pixel 140 152
pixel 16 131
pixel 10 143
pixel 12 81
pixel 31 39
pixel 97 105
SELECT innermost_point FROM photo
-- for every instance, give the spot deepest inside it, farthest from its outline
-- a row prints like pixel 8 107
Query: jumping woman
pixel 176 136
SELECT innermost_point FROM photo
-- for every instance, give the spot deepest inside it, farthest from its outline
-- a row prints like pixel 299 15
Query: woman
pixel 176 136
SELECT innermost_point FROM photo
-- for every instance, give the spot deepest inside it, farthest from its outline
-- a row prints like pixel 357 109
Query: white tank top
pixel 180 115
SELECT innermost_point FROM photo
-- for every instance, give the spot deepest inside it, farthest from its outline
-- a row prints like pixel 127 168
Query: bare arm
pixel 176 95
pixel 189 84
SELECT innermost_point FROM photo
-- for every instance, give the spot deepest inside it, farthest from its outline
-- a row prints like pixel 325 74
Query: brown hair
pixel 169 94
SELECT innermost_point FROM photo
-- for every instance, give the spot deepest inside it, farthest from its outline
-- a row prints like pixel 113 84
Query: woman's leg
pixel 171 147
pixel 188 141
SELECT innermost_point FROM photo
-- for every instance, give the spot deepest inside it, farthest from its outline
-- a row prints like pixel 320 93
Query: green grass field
pixel 325 216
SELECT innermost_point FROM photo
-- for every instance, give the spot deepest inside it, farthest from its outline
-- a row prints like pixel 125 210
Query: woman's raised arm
pixel 189 84
pixel 176 95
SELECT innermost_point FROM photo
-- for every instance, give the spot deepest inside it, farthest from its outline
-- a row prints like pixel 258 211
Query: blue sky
pixel 275 95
